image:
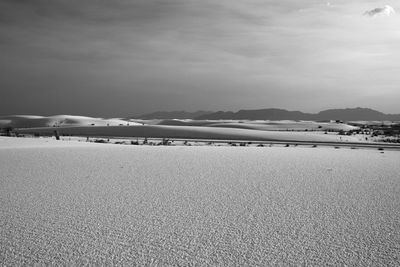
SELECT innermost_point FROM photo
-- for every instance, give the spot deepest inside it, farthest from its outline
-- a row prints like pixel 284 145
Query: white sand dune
pixel 190 132
pixel 29 121
pixel 286 126
pixel 63 121
pixel 94 204
pixel 259 130
pixel 186 122
pixel 264 125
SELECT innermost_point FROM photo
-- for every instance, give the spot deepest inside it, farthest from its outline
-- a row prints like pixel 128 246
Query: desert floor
pixel 84 203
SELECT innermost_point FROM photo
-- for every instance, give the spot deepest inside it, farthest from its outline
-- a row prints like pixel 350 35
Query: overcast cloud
pixel 121 57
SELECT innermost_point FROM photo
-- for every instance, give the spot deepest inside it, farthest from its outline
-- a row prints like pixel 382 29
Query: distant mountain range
pixel 348 114
pixel 172 115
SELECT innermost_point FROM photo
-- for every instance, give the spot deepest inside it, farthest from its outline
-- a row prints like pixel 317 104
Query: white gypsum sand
pixel 73 203
pixel 29 121
pixel 189 132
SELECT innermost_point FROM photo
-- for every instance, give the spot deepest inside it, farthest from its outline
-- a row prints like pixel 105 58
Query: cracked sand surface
pixel 85 203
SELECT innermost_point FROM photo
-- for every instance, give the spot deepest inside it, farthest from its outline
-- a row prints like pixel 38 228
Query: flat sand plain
pixel 73 203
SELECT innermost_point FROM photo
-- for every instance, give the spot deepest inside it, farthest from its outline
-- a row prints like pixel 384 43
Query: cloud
pixel 380 11
pixel 209 54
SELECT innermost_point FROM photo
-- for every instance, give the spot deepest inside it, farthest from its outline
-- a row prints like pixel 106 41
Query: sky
pixel 127 57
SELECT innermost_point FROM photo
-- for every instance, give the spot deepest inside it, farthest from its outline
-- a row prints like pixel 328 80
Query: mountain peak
pixel 347 114
pixel 172 115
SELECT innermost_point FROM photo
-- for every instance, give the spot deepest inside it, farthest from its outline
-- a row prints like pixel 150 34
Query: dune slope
pixel 189 132
pixel 29 121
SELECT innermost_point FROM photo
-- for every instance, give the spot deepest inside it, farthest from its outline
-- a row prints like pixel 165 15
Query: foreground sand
pixel 84 203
